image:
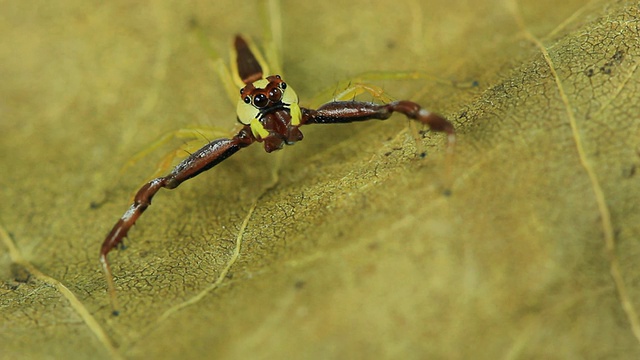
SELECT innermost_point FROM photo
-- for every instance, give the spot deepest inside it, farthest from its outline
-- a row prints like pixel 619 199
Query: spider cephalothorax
pixel 270 108
pixel 269 112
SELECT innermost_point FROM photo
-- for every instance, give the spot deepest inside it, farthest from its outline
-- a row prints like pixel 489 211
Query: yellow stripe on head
pixel 296 114
pixel 259 132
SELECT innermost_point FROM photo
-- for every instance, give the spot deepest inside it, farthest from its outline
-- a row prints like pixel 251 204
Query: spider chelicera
pixel 269 112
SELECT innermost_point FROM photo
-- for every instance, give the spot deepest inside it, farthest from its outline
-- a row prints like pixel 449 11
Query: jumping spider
pixel 269 112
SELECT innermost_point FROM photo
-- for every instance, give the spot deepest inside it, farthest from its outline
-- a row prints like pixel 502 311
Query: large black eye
pixel 260 101
pixel 275 94
pixel 283 85
pixel 247 100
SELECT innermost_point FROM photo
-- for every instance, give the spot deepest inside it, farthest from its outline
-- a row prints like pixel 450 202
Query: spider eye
pixel 283 85
pixel 247 100
pixel 275 94
pixel 260 101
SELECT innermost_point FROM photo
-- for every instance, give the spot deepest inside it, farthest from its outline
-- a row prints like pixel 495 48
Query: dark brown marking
pixel 249 68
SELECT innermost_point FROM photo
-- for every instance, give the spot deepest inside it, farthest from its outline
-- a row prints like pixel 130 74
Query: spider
pixel 269 113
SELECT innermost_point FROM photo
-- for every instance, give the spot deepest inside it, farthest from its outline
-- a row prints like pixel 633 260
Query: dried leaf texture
pixel 345 245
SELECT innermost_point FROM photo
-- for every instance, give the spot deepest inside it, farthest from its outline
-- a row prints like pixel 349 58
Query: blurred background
pixel 349 244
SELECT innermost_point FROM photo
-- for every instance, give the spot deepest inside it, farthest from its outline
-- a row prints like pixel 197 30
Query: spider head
pixel 263 96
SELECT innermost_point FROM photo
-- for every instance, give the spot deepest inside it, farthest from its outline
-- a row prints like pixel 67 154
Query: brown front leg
pixel 338 112
pixel 204 159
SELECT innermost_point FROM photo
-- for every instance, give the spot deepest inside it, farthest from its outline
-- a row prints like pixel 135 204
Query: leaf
pixel 344 245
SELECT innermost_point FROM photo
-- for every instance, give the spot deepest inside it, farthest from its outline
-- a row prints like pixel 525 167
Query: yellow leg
pixel 193 136
pixel 271 63
pixel 227 80
pixel 348 88
pixel 353 90
pixel 272 20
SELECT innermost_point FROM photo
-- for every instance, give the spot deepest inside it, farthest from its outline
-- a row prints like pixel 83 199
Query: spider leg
pixel 345 89
pixel 204 159
pixel 339 112
pixel 271 12
pixel 193 138
pixel 355 89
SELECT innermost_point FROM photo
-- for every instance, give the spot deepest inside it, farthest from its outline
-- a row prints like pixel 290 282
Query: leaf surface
pixel 345 245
